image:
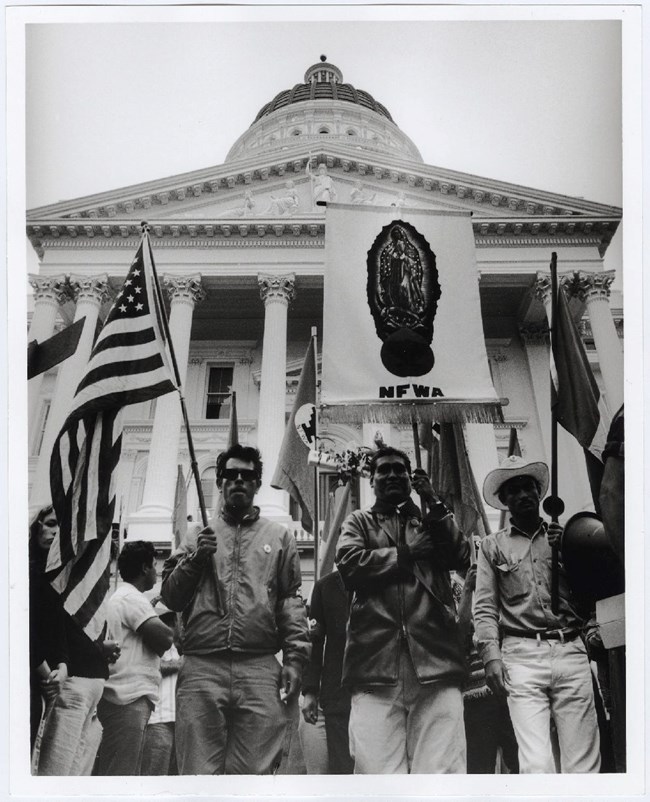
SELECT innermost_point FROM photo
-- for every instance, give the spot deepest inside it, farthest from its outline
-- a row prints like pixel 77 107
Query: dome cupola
pixel 322 108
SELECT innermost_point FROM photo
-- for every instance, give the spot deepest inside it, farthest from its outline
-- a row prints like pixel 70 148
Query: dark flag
pixel 574 392
pixel 292 472
pixel 127 365
pixel 45 355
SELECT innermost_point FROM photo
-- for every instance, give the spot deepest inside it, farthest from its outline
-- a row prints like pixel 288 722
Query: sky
pixel 536 103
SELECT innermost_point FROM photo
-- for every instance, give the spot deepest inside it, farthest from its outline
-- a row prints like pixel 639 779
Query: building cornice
pixel 307 232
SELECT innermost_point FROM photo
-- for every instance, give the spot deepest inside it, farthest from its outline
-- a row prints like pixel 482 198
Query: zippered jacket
pixel 398 600
pixel 246 597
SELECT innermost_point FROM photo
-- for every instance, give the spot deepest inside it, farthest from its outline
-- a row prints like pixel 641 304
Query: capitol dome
pixel 323 108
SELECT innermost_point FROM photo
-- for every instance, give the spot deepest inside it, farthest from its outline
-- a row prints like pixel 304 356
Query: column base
pixel 150 523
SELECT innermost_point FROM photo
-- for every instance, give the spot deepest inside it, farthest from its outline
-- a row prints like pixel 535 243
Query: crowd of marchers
pixel 423 652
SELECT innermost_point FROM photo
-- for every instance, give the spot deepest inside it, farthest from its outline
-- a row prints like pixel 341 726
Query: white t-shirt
pixel 137 670
pixel 166 707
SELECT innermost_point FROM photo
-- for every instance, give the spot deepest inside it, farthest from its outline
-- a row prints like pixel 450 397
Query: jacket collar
pixel 249 518
pixel 408 509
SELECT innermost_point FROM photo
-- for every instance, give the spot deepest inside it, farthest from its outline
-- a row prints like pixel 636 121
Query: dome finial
pixel 323 58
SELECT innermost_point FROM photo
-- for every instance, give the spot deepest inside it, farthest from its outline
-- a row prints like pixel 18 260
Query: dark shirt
pixel 328 612
pixel 85 655
pixel 47 632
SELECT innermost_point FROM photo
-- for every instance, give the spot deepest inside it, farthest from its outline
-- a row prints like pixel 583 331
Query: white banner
pixel 402 331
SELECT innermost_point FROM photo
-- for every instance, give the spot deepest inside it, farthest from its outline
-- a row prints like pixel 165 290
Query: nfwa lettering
pixel 410 391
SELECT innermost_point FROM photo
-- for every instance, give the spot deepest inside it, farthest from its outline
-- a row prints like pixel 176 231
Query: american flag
pixel 128 364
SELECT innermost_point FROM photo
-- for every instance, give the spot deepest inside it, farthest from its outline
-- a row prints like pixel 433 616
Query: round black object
pixel 553 506
pixel 405 353
pixel 593 569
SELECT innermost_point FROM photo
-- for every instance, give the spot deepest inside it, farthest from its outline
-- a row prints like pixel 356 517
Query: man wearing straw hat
pixel 532 655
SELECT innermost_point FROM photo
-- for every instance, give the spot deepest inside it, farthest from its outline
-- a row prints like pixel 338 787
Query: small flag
pixel 45 355
pixel 340 504
pixel 574 392
pixel 292 472
pixel 233 429
pixel 455 482
pixel 179 517
pixel 127 365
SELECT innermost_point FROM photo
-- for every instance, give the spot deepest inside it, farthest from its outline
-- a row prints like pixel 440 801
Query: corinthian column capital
pixel 90 288
pixel 50 288
pixel 594 286
pixel 542 288
pixel 277 288
pixel 184 288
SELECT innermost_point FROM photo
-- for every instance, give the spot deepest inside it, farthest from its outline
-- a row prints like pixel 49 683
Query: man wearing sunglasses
pixel 237 584
pixel 403 658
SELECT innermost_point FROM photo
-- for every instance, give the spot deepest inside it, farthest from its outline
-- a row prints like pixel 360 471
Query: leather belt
pixel 551 634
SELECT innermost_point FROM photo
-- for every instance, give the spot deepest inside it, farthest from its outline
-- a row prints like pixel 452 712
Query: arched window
pixel 323 130
pixel 351 132
pixel 296 132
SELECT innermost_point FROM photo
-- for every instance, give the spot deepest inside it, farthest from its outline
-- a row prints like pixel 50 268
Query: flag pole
pixel 418 459
pixel 553 505
pixel 315 525
pixel 190 444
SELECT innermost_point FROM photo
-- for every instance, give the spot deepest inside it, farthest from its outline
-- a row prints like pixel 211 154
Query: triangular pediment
pixel 223 188
pixel 270 189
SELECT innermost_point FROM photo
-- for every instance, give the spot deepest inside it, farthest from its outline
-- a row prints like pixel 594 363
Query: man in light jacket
pixel 237 584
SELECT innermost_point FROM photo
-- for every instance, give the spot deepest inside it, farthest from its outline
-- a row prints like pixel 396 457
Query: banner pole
pixel 316 517
pixel 190 443
pixel 553 505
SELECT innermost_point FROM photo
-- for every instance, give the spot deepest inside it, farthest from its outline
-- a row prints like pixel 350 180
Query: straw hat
pixel 510 468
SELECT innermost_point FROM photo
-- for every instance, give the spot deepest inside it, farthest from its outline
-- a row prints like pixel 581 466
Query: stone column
pixel 276 292
pixel 153 521
pixel 50 292
pixel 90 294
pixel 594 290
pixel 535 338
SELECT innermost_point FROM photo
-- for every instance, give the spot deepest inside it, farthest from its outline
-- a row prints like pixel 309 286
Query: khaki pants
pixel 551 679
pixel 408 728
pixel 229 717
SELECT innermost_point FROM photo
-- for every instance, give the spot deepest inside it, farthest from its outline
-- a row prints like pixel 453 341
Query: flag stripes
pixel 128 364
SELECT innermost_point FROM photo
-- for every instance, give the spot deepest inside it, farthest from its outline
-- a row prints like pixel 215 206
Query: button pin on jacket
pixel 267 548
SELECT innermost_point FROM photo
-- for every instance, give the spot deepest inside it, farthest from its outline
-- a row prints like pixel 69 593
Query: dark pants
pixel 488 727
pixel 159 752
pixel 617 690
pixel 338 743
pixel 120 752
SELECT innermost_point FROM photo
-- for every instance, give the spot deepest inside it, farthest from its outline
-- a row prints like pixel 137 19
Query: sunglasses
pixel 398 468
pixel 232 474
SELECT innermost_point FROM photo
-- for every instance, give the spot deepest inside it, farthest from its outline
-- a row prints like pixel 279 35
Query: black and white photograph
pixel 331 319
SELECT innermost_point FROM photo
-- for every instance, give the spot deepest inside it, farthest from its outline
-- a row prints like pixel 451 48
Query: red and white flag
pixel 127 365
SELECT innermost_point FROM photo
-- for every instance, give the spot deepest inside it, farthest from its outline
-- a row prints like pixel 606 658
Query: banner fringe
pixel 443 411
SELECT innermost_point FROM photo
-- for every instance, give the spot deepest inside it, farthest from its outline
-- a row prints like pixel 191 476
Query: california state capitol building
pixel 239 249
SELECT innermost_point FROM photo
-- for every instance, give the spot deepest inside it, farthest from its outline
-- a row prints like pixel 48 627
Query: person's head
pixel 239 476
pixel 390 475
pixel 521 495
pixel 322 169
pixel 42 531
pixel 136 564
pixel 517 486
